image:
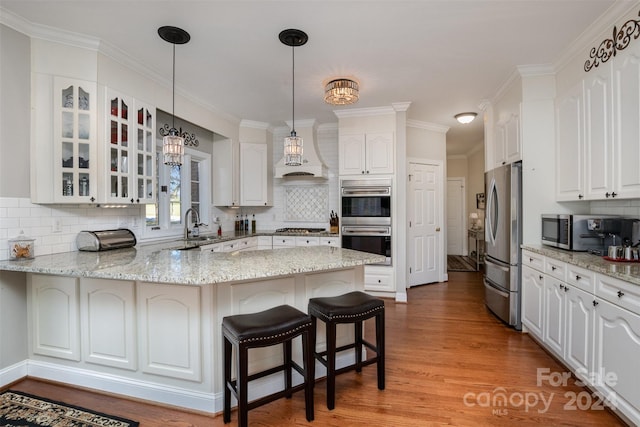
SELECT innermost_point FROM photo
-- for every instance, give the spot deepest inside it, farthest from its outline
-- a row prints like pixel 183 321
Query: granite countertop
pixel 162 263
pixel 627 271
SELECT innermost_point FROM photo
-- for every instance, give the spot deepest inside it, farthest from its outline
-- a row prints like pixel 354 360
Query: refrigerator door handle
pixel 498 266
pixel 492 212
pixel 489 286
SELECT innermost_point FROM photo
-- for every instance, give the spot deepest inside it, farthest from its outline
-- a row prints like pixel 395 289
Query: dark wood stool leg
pixel 331 365
pixel 227 379
pixel 380 349
pixel 242 385
pixel 358 343
pixel 308 360
pixel 286 348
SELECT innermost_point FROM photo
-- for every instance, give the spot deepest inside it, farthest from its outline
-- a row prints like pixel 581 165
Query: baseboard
pixel 13 373
pixel 157 393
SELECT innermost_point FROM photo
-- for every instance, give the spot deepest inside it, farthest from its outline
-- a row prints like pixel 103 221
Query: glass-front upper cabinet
pixel 75 139
pixel 129 150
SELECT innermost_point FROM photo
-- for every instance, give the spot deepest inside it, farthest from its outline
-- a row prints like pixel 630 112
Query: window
pixel 178 189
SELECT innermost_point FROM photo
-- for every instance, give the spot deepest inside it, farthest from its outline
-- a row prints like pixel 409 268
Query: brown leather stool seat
pixel 278 325
pixel 353 307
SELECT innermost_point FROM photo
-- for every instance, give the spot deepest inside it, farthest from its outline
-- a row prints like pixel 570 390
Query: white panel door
pixel 569 146
pixel 579 329
pixel 532 300
pixel 424 252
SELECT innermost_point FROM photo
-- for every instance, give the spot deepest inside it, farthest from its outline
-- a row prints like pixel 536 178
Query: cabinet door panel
pixel 617 352
pixel 532 299
pixel 569 146
pixel 169 330
pixel 352 154
pixel 554 315
pixel 55 316
pixel 379 153
pixel 579 330
pixel 108 322
pixel 253 174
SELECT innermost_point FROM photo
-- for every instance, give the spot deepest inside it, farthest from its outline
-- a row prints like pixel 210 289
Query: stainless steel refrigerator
pixel 503 234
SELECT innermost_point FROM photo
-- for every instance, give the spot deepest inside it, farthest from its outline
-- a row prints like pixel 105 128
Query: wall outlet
pixel 57 225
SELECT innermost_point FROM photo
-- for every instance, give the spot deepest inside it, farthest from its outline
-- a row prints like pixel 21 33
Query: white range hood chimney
pixel 312 165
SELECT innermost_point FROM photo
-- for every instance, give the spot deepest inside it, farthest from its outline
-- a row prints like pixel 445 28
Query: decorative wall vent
pixel 609 47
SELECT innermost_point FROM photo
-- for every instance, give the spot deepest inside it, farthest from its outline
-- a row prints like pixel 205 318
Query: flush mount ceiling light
pixel 341 92
pixel 465 118
pixel 172 141
pixel 293 143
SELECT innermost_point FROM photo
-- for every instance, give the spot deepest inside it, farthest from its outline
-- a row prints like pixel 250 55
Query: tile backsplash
pixel 54 227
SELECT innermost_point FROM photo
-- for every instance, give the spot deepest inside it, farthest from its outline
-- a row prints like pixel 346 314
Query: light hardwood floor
pixel 448 361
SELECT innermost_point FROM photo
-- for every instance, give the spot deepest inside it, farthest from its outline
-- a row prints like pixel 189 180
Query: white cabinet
pixel 579 328
pixel 617 351
pixel 55 326
pixel 253 175
pixel 240 174
pixel 570 145
pixel 226 190
pixel 215 247
pixel 532 300
pixel 107 310
pixel 265 242
pixel 169 321
pixel 370 153
pixel 378 278
pixel 64 161
pixel 129 145
pixel 330 241
pixel 281 242
pixel 553 321
pixel 307 241
pixel 508 144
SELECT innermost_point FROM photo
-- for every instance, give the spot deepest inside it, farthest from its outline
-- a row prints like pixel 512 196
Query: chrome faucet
pixel 186 221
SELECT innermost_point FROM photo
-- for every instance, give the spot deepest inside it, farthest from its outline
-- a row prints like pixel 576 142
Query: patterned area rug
pixel 19 409
pixel 459 263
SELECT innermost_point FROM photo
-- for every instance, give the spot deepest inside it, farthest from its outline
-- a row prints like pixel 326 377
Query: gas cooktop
pixel 300 230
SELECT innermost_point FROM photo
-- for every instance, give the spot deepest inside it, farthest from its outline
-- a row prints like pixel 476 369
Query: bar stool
pixel 353 307
pixel 278 325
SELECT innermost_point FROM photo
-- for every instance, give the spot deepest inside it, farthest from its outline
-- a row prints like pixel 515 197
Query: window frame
pixel 165 228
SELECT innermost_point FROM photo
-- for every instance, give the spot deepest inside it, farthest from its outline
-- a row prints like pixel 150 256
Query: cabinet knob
pixel 580 196
pixel 553 268
pixel 92 199
pixel 561 286
pixel 614 194
pixel 132 200
pixel 607 194
pixel 566 289
pixel 578 277
pixel 620 294
pixel 361 171
pixel 379 281
pixel 540 277
pixel 367 171
pixel 530 259
pixel 595 303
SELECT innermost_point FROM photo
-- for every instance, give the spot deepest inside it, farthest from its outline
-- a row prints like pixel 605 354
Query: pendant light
pixel 293 143
pixel 172 141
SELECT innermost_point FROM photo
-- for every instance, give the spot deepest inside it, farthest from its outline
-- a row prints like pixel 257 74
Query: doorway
pixel 425 255
pixel 456 227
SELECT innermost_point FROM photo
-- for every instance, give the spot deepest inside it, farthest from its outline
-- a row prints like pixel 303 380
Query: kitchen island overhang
pixel 145 323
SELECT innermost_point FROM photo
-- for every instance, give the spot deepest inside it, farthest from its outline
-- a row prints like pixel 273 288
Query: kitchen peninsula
pixel 145 322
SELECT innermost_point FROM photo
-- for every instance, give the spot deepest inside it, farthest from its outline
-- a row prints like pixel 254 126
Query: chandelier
pixel 173 141
pixel 341 92
pixel 293 143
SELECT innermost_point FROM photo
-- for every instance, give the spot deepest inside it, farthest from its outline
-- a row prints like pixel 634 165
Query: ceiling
pixel 443 56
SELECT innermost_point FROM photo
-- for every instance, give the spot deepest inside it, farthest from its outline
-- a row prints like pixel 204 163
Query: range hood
pixel 312 164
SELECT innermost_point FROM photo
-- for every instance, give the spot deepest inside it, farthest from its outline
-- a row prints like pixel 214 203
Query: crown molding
pixel 401 106
pixel 427 126
pixel 536 70
pixel 363 112
pixel 252 124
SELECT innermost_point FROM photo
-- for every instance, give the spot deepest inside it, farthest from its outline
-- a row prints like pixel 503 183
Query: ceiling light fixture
pixel 341 92
pixel 172 141
pixel 465 118
pixel 293 143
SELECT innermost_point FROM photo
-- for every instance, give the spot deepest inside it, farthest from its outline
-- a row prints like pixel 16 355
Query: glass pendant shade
pixel 172 148
pixel 293 150
pixel 341 92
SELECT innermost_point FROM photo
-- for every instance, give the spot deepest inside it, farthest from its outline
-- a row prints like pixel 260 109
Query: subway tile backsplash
pixel 54 227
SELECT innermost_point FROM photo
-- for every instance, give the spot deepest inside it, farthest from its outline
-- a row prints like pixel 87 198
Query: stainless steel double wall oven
pixel 366 216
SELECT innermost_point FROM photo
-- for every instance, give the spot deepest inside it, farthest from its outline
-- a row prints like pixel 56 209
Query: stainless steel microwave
pixel 580 233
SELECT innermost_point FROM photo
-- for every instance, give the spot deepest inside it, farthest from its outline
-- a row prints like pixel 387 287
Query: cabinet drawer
pixel 580 278
pixel 231 246
pixel 555 268
pixel 330 241
pixel 265 241
pixel 378 278
pixel 248 243
pixel 216 247
pixel 284 241
pixel 307 241
pixel 618 292
pixel 533 260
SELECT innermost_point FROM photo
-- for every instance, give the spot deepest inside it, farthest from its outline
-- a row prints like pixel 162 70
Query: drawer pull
pixel 595 303
pixel 553 268
pixel 620 294
pixel 561 286
pixel 578 277
pixel 530 259
pixel 540 277
pixel 566 289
